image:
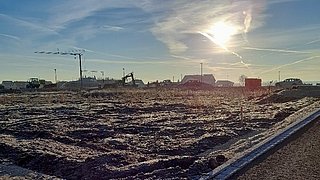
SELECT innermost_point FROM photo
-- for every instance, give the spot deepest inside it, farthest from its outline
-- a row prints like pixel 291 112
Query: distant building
pixel 206 78
pixel 87 82
pixel 252 83
pixel 166 82
pixel 104 83
pixel 224 83
pixel 14 84
pixel 8 84
pixel 153 84
pixel 20 84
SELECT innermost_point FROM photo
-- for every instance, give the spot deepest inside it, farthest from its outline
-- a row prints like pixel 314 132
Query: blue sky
pixel 159 39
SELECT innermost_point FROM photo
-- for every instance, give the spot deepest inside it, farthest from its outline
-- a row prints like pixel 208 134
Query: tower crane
pixel 75 53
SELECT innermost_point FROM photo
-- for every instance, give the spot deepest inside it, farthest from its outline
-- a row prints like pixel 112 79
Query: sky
pixel 160 39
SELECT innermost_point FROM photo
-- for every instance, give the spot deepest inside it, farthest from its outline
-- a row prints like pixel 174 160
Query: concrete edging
pixel 234 165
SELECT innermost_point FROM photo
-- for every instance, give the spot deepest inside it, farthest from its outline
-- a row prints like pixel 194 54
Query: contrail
pixel 289 64
pixel 277 50
pixel 219 44
pixel 179 19
pixel 10 36
pixel 314 41
pixel 223 47
pixel 213 40
pixel 108 54
pixel 181 57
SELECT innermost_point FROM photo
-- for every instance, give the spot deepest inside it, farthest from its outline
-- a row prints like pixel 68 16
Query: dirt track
pixel 128 134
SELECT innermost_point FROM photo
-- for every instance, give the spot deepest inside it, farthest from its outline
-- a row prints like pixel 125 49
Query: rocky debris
pixel 217 161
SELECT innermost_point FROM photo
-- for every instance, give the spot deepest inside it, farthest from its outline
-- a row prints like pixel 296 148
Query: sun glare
pixel 222 32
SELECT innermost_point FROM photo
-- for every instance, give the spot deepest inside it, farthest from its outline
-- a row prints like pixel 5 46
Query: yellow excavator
pixel 124 78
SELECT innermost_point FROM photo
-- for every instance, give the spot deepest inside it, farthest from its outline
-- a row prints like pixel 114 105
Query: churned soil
pixel 129 133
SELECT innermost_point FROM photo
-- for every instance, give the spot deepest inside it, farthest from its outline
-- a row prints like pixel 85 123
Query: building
pixel 87 82
pixel 252 83
pixel 206 78
pixel 109 83
pixel 8 84
pixel 14 84
pixel 20 85
pixel 224 83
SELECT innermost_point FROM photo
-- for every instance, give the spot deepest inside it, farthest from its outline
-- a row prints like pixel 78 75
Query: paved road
pixel 299 159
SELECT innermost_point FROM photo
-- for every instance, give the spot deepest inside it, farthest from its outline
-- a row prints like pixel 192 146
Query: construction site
pixel 151 89
pixel 139 133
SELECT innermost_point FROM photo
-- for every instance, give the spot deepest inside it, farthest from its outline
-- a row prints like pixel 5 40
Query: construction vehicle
pixel 33 83
pixel 124 78
pixel 289 83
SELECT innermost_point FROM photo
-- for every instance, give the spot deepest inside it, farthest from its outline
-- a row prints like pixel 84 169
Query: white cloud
pixel 180 18
pixel 74 10
pixel 173 21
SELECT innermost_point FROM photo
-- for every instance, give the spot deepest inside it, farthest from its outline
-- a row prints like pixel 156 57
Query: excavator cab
pixel 33 83
pixel 130 75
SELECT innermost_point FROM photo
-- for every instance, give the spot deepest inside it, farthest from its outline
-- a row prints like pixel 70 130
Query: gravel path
pixel 299 159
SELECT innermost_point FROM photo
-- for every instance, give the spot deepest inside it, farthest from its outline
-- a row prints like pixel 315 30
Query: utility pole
pixel 80 69
pixel 55 76
pixel 201 72
pixel 102 74
pixel 279 76
pixel 123 72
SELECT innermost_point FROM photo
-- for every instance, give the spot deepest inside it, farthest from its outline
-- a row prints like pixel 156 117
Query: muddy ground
pixel 131 134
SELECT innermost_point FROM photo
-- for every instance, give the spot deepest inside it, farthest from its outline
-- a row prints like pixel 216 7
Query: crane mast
pixel 76 54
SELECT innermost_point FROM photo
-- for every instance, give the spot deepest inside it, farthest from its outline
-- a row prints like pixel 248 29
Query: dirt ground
pixel 299 159
pixel 130 134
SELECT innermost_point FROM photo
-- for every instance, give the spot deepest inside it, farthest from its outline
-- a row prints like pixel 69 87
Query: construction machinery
pixel 33 83
pixel 289 83
pixel 76 53
pixel 124 78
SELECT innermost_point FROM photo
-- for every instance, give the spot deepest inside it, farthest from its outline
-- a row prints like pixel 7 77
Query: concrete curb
pixel 236 164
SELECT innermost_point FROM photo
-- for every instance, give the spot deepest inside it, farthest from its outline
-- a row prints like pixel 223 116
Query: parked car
pixel 289 83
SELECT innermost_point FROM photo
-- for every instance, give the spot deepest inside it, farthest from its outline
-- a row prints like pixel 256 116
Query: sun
pixel 221 32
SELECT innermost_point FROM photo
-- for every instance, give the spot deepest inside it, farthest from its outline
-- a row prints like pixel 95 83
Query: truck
pixel 289 83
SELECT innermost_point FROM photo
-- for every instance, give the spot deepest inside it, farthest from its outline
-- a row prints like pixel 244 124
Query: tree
pixel 242 79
